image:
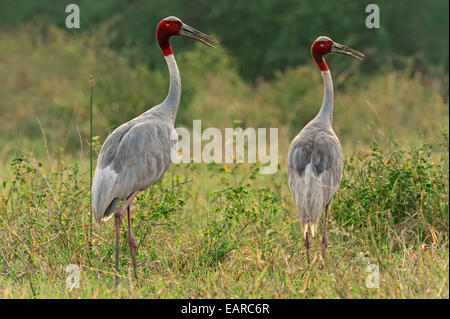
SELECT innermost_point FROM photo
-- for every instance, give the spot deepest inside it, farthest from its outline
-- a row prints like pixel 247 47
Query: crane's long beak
pixel 190 32
pixel 342 49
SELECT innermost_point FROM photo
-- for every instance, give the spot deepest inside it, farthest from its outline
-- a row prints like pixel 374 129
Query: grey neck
pixel 172 100
pixel 326 111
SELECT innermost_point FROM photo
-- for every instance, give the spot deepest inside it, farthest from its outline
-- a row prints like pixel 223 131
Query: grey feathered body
pixel 137 153
pixel 134 156
pixel 314 165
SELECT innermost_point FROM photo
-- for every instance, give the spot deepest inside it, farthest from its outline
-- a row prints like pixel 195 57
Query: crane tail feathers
pixel 104 197
pixel 111 209
pixel 305 229
pixel 311 226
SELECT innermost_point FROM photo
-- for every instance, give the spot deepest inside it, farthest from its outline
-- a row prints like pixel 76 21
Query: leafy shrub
pixel 394 190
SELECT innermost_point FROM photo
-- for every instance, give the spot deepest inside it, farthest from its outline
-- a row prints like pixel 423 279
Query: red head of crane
pixel 315 155
pixel 137 154
pixel 173 26
pixel 324 45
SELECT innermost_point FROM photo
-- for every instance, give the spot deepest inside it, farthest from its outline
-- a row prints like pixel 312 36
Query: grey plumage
pixel 314 171
pixel 315 161
pixel 137 153
pixel 135 156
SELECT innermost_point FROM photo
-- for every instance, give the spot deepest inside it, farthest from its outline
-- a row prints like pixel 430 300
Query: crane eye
pixel 321 45
pixel 167 25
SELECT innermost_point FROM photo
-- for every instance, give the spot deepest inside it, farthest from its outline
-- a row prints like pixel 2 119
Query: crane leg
pixel 307 246
pixel 131 241
pixel 324 237
pixel 118 215
pixel 117 220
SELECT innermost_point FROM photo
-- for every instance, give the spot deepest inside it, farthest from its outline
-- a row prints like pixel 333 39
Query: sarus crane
pixel 137 153
pixel 315 160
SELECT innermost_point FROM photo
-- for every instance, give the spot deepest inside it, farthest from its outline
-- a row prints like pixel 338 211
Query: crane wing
pixel 319 151
pixel 109 148
pixel 133 157
pixel 143 156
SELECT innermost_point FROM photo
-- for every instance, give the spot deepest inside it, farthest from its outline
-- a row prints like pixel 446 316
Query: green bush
pixel 391 190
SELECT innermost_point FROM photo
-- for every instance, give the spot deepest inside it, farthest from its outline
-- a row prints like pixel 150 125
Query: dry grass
pixel 210 232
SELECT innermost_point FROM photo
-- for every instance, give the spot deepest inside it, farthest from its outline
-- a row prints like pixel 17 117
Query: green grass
pixel 217 231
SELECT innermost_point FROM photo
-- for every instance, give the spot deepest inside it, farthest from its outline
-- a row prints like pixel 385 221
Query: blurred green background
pixel 264 36
pixel 262 74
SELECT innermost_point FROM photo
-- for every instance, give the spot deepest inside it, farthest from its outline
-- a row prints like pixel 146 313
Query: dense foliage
pixel 264 36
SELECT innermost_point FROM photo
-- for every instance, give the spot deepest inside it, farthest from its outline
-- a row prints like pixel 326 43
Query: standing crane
pixel 315 155
pixel 137 153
